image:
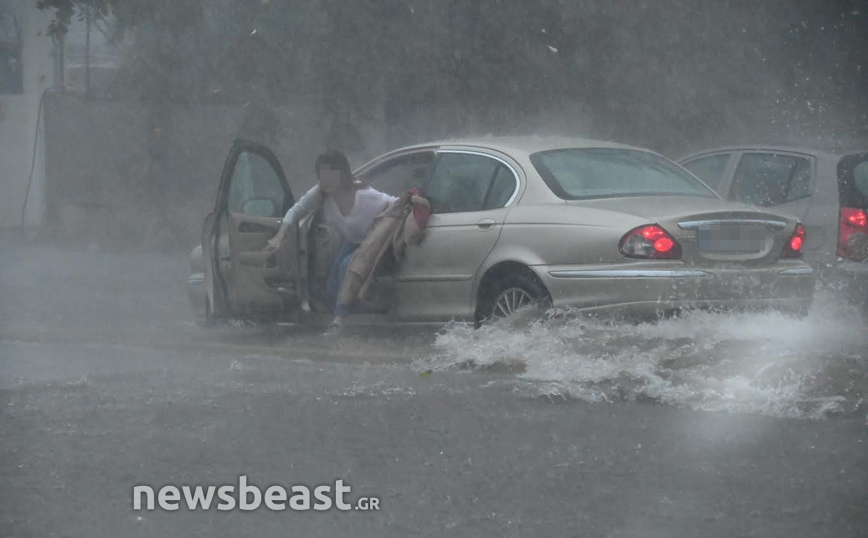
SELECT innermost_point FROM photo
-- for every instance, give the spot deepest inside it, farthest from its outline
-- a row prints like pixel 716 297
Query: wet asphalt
pixel 106 384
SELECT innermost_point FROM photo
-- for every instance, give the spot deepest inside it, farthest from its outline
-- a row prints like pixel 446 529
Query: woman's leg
pixel 341 310
pixel 337 272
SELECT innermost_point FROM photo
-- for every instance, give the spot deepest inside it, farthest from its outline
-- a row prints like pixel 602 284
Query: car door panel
pixel 260 280
pixel 436 278
pixel 252 198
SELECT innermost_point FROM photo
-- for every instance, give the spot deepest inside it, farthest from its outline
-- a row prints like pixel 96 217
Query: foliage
pixel 644 69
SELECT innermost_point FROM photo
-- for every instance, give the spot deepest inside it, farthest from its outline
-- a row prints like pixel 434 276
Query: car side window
pixel 465 182
pixel 768 179
pixel 400 174
pixel 709 169
pixel 255 188
pixel 502 188
pixel 860 174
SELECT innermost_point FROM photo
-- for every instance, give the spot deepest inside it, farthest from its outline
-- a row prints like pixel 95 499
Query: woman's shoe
pixel 334 330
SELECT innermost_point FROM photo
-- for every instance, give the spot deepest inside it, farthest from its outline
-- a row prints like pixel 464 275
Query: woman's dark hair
pixel 335 160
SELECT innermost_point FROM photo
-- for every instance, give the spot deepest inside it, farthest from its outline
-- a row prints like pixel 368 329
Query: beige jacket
pixel 391 232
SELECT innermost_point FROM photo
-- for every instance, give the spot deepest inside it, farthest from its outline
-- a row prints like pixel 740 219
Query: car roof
pixel 828 151
pixel 525 144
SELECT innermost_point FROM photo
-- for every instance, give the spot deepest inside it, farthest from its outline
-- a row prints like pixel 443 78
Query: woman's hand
pixel 274 243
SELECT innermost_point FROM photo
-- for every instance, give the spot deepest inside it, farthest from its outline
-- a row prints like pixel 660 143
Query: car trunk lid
pixel 711 231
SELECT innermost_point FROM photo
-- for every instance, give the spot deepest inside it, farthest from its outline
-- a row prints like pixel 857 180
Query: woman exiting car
pixel 349 207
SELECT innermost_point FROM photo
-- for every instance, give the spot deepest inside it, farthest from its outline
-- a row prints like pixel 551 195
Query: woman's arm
pixel 303 207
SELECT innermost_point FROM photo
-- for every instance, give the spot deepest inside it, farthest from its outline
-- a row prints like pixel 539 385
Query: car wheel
pixel 509 294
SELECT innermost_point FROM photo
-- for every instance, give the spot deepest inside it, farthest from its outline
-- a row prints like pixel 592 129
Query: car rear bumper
pixel 654 286
pixel 855 270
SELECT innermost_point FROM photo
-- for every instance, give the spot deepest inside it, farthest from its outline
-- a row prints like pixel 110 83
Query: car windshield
pixel 575 174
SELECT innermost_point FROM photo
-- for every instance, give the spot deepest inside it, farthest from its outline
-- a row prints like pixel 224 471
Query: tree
pixel 660 73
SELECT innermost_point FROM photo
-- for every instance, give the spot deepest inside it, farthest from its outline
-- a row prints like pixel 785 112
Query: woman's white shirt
pixel 353 227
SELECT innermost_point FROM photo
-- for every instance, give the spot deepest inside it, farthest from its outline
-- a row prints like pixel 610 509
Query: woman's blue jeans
pixel 336 278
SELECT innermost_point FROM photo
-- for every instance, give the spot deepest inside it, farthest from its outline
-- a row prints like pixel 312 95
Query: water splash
pixel 757 363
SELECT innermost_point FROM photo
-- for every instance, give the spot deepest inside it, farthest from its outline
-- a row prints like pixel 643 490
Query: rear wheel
pixel 510 293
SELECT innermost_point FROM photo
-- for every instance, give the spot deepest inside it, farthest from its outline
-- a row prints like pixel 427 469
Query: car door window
pixel 853 180
pixel 465 182
pixel 502 188
pixel 768 179
pixel 709 169
pixel 255 188
pixel 860 174
pixel 400 174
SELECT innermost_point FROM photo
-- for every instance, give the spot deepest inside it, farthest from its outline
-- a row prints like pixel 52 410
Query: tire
pixel 508 293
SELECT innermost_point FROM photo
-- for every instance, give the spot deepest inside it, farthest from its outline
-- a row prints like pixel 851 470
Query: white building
pixel 29 65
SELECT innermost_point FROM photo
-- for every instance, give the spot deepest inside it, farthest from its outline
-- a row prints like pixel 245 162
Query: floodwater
pixel 516 429
pixel 756 363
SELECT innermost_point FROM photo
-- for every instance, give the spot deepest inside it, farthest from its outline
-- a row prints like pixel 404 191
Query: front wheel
pixel 510 294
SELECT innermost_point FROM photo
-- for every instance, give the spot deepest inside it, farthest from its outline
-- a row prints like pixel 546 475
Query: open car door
pixel 242 279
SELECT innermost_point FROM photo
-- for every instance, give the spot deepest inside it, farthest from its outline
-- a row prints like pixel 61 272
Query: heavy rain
pixel 501 267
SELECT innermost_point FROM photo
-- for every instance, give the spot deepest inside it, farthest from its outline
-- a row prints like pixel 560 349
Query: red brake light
pixel 798 238
pixel 664 244
pixel 649 242
pixel 852 226
pixel 857 218
pixel 794 246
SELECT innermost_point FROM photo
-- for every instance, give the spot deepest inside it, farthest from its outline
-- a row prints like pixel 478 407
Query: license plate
pixel 734 238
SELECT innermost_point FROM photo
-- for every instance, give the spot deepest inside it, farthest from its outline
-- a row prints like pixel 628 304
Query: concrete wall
pixel 139 175
pixel 18 119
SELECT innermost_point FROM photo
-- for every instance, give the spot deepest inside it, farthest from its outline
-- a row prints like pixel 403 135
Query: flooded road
pixel 755 363
pixel 446 453
pixel 515 429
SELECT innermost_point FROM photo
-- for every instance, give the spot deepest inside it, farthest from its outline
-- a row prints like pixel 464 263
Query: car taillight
pixel 793 248
pixel 650 242
pixel 854 222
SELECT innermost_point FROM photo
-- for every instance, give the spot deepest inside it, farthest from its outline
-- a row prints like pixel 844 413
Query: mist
pixel 119 120
pixel 171 85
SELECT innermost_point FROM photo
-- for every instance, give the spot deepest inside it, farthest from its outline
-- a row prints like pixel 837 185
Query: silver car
pixel 574 223
pixel 826 190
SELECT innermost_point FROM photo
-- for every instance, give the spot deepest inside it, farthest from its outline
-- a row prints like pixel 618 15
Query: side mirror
pixel 260 207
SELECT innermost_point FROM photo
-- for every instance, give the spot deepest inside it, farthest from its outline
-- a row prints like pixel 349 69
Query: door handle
pixel 486 224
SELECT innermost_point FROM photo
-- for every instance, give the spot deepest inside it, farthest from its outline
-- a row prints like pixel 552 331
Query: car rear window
pixel 853 180
pixel 575 174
